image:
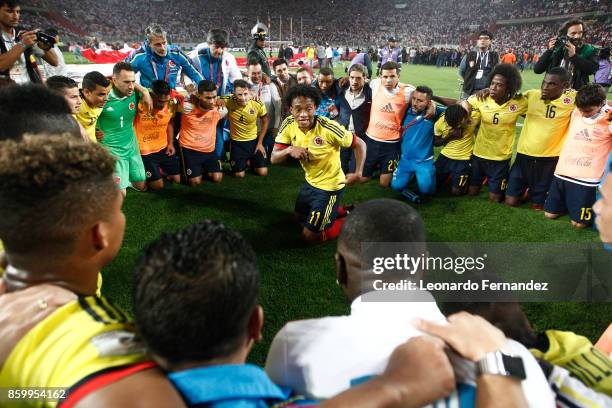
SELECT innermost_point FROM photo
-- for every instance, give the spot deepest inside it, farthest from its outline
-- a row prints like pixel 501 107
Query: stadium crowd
pixel 195 296
pixel 438 23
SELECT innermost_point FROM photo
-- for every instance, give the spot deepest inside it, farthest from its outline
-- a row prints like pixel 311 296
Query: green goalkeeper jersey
pixel 117 123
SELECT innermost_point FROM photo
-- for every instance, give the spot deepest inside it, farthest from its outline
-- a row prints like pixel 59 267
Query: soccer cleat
pixel 537 207
pixel 412 196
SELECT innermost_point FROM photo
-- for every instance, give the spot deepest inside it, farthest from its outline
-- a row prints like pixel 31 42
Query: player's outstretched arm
pixel 444 100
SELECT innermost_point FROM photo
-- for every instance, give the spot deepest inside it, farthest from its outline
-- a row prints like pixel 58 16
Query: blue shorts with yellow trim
pixel 495 171
pixel 319 206
pixel 458 171
pixel 576 200
pixel 532 174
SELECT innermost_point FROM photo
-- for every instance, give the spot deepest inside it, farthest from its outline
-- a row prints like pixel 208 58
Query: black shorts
pixel 576 200
pixel 242 152
pixel 496 172
pixel 320 207
pixel 154 161
pixel 195 163
pixel 380 155
pixel 531 173
pixel 458 170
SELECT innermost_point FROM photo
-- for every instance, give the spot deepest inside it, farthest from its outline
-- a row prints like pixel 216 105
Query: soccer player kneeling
pixel 198 135
pixel 583 158
pixel 316 141
pixel 155 131
pixel 246 144
pixel 455 131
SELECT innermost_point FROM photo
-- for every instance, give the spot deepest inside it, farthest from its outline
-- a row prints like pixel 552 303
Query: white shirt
pixel 328 52
pixel 18 72
pixel 320 357
pixel 49 70
pixel 268 94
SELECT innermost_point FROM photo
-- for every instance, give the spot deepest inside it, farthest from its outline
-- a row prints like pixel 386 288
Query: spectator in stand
pixel 568 50
pixel 476 65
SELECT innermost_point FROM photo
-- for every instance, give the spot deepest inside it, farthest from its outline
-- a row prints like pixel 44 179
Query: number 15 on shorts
pixel 586 214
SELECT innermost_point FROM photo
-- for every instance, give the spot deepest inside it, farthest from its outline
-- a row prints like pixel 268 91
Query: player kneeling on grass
pixel 316 141
pixel 155 131
pixel 417 136
pixel 198 135
pixel 455 131
pixel 246 144
pixel 583 158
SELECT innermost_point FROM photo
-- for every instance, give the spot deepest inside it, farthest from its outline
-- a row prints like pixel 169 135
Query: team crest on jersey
pixel 567 100
pixel 171 64
pixel 318 140
pixel 512 107
pixel 251 111
pixel 132 106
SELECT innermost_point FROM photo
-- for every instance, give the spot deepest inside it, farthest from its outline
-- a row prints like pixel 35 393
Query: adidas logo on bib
pixel 388 108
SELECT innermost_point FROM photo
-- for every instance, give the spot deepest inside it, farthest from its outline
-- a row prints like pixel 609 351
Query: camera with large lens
pixel 45 38
pixel 561 40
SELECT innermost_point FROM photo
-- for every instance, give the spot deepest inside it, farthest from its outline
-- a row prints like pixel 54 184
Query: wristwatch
pixel 500 363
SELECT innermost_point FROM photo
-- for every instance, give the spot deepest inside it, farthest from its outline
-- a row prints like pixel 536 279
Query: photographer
pixel 18 50
pixel 569 51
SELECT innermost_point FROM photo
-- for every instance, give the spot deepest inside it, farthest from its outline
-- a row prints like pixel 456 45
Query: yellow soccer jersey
pixel 322 168
pixel 243 119
pixel 497 126
pixel 545 124
pixel 578 355
pixel 459 149
pixel 81 338
pixel 88 117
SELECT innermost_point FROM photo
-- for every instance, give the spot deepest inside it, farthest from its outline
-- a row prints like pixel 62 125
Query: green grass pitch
pixel 298 281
